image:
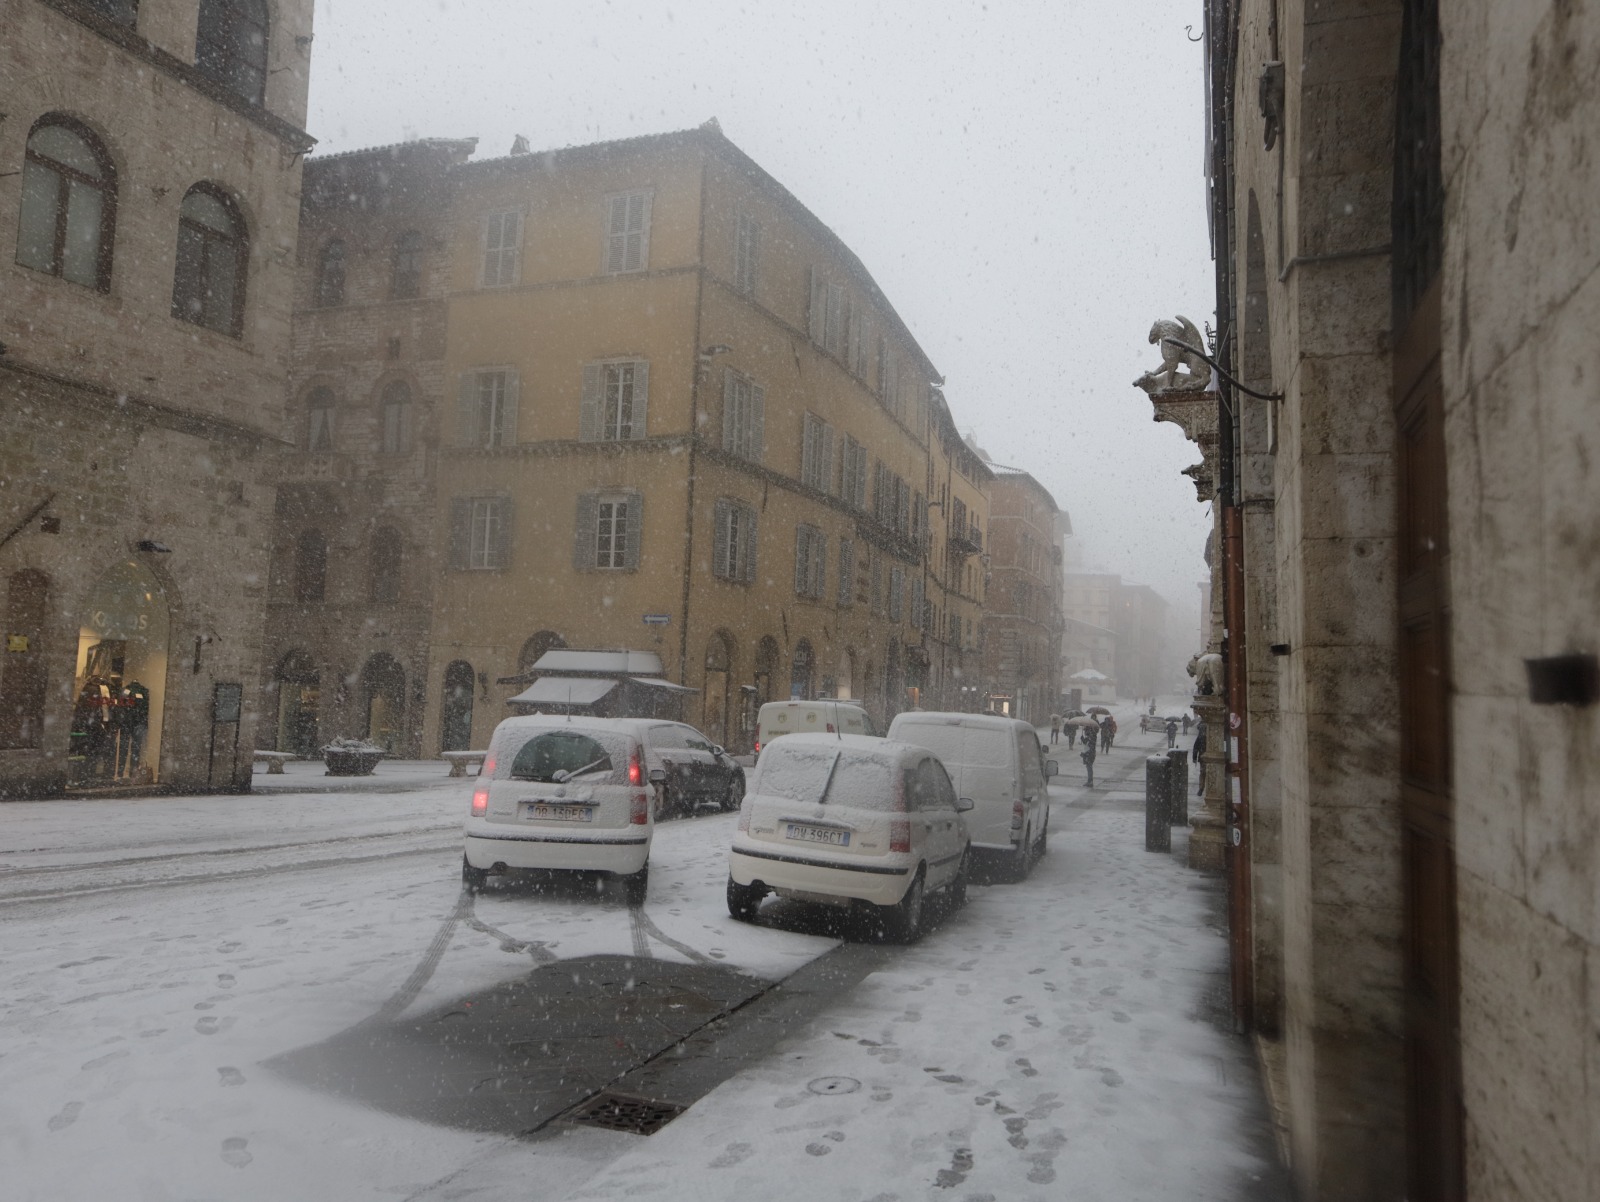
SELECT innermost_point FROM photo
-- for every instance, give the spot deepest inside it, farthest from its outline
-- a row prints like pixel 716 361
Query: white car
pixel 847 819
pixel 561 793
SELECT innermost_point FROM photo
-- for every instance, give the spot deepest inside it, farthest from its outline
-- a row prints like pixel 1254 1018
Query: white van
pixel 998 763
pixel 812 718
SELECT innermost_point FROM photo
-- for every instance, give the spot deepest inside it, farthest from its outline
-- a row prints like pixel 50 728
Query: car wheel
pixel 473 878
pixel 744 900
pixel 958 887
pixel 635 885
pixel 902 922
pixel 1042 843
pixel 735 793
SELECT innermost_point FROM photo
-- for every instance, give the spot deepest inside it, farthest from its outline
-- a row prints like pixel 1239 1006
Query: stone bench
pixel 460 761
pixel 274 760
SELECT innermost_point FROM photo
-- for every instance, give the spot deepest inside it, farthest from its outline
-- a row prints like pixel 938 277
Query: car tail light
pixel 1016 815
pixel 831 730
pixel 758 747
pixel 635 769
pixel 639 808
pixel 900 834
pixel 480 802
pixel 488 767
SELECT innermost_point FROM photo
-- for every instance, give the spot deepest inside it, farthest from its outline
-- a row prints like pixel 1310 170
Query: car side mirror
pixel 963 804
pixel 657 776
pixel 718 750
pixel 1051 768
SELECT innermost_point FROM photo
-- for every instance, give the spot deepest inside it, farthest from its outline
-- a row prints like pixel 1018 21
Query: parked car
pixel 810 717
pixel 850 820
pixel 999 763
pixel 564 793
pixel 698 771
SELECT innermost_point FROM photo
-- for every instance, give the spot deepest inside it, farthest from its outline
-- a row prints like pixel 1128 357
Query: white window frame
pixel 734 547
pixel 810 562
pixel 603 387
pixel 744 405
pixel 480 533
pixel 500 263
pixel 488 407
pixel 627 234
pixel 611 532
pixel 816 453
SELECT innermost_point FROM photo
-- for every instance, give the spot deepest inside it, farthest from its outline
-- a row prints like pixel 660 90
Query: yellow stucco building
pixel 676 415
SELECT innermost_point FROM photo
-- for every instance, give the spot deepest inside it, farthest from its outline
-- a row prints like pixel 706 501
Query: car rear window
pixel 560 755
pixel 824 776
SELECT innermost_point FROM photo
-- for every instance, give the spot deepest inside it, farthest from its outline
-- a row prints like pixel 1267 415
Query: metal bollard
pixel 1157 829
pixel 1178 786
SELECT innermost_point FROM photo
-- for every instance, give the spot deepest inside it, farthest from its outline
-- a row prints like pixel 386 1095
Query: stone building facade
pixel 149 170
pixel 1405 580
pixel 1022 615
pixel 662 408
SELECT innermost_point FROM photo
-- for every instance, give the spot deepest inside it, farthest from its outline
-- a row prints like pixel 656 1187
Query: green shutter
pixel 719 542
pixel 641 396
pixel 635 529
pixel 460 533
pixel 593 404
pixel 584 532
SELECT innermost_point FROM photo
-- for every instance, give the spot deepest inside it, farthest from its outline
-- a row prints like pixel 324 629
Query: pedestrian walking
pixel 1152 707
pixel 1187 722
pixel 1072 736
pixel 1111 727
pixel 1172 732
pixel 1197 751
pixel 1105 733
pixel 1087 756
pixel 1055 728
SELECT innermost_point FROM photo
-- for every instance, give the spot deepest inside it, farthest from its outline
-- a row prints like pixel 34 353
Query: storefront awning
pixel 563 690
pixel 655 682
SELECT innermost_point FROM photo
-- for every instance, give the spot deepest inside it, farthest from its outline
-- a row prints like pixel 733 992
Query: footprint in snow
pixel 230 946
pixel 101 1061
pixel 1120 1017
pixel 731 1155
pixel 65 1117
pixel 1000 1041
pixel 1027 1068
pixel 228 1075
pixel 225 980
pixel 882 1095
pixel 717 954
pixel 1033 972
pixel 1111 1077
pixel 1013 999
pixel 210 1024
pixel 960 1166
pixel 818 1149
pixel 234 1153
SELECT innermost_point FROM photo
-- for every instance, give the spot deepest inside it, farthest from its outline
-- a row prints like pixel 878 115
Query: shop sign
pixel 17 642
pixel 658 619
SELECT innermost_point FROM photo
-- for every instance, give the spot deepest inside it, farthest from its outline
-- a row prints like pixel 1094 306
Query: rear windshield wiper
pixel 561 776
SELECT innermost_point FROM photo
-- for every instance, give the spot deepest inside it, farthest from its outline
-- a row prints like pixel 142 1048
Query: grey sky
pixel 1022 177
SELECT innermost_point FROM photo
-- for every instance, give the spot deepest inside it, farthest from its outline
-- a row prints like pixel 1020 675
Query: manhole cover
pixel 619 1112
pixel 834 1085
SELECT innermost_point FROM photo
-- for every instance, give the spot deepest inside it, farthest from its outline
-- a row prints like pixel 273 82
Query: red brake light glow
pixel 635 770
pixel 900 834
pixel 480 802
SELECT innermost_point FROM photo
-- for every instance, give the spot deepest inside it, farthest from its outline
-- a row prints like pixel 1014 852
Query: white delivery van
pixel 998 763
pixel 810 717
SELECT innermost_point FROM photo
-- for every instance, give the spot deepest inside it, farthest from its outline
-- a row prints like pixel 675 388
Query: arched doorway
pixel 537 645
pixel 299 703
pixel 803 674
pixel 121 679
pixel 847 673
pixel 455 714
pixel 383 689
pixel 714 695
pixel 22 675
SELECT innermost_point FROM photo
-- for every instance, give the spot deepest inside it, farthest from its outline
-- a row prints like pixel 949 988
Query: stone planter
pixel 350 763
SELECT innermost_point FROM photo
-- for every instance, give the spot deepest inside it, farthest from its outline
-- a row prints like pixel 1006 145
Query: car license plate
pixel 547 812
pixel 818 834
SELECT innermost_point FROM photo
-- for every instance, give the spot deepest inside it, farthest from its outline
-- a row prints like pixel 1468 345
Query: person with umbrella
pixel 1172 732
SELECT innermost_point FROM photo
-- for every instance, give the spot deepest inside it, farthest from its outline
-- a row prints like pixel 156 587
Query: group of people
pixel 1100 737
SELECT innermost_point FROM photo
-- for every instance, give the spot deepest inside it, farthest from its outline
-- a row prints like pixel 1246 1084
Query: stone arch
pixel 715 695
pixel 383 695
pixel 119 686
pixel 535 646
pixel 299 683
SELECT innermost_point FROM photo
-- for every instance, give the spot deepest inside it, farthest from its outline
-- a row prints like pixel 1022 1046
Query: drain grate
pixel 621 1112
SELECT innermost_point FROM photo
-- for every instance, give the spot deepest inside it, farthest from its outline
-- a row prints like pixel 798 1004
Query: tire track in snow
pixel 423 972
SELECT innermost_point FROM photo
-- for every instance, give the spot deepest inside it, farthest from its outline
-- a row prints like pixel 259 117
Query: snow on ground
pixel 1042 1044
pixel 170 945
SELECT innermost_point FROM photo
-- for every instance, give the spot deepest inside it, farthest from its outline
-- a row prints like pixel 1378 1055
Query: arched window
pixel 383 685
pixel 396 418
pixel 330 274
pixel 22 675
pixel 535 646
pixel 310 566
pixel 230 46
pixel 407 280
pixel 319 421
pixel 387 554
pixel 208 285
pixel 69 202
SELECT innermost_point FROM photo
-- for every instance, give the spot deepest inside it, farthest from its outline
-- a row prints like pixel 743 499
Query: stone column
pixel 1208 826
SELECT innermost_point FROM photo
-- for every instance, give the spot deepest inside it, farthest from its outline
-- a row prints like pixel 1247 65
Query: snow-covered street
pixel 1052 1039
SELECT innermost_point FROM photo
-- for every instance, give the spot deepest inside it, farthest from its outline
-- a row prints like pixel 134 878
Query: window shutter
pixel 507 434
pixel 748 532
pixel 862 334
pixel 836 319
pixel 500 544
pixel 640 244
pixel 728 414
pixel 825 476
pixel 511 241
pixel 719 542
pixel 635 527
pixel 758 421
pixel 641 396
pixel 818 315
pixel 801 570
pixel 917 602
pixel 583 554
pixel 460 533
pixel 891 387
pixel 819 564
pixel 846 558
pixel 593 404
pixel 616 235
pixel 467 411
